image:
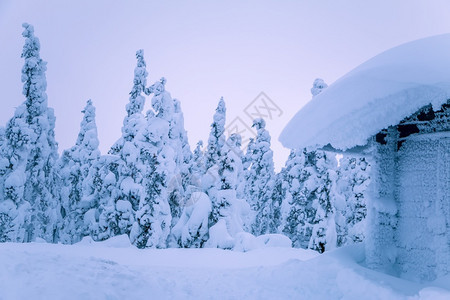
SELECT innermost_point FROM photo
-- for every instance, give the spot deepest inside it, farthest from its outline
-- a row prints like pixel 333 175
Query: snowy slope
pixel 115 270
pixel 377 94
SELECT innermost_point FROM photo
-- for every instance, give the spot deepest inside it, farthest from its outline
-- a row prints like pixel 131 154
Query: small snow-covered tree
pixel 217 136
pixel 324 236
pixel 307 208
pixel 198 164
pixel 318 86
pixel 229 170
pixel 353 179
pixel 191 231
pixel 296 208
pixel 260 179
pixel 74 166
pixel 153 216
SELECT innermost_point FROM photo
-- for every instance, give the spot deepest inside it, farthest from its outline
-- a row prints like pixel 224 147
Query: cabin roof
pixel 377 94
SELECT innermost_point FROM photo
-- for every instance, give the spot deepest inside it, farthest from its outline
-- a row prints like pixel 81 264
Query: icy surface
pixel 85 271
pixel 377 94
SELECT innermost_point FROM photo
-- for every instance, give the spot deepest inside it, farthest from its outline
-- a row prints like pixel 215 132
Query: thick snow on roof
pixel 379 93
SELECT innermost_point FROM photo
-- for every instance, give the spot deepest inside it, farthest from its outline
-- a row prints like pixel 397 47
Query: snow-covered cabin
pixel 395 109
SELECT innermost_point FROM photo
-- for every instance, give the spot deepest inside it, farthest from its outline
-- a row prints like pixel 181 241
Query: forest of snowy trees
pixel 154 188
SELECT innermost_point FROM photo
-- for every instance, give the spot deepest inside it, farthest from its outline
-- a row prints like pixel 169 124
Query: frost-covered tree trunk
pixel 31 185
pixel 74 166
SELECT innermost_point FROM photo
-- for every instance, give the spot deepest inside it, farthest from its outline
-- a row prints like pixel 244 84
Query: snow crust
pixel 377 94
pixel 100 271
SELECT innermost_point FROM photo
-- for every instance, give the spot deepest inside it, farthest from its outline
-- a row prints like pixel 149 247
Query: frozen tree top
pixel 379 93
pixel 318 86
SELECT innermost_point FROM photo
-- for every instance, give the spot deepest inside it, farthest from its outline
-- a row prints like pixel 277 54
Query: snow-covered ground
pixel 116 270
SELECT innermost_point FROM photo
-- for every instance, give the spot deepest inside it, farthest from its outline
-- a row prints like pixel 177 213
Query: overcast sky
pixel 205 50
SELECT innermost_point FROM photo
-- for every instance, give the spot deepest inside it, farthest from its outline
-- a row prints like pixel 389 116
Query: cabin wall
pixel 423 185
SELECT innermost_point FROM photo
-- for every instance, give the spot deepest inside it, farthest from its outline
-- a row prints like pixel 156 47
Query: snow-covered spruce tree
pixel 229 171
pixel 310 192
pixel 229 215
pixel 299 179
pixel 123 190
pixel 324 236
pixel 318 86
pixel 6 224
pixel 191 230
pixel 74 166
pixel 31 185
pixel 216 141
pixel 260 180
pixel 217 136
pixel 353 179
pixel 100 187
pixel 198 164
pixel 179 185
pixel 153 219
pixel 129 145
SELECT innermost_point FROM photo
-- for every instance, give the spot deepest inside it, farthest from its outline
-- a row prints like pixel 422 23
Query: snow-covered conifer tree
pixel 153 218
pixel 180 182
pixel 260 179
pixel 31 185
pixel 217 136
pixel 307 209
pixel 324 236
pixel 74 166
pixel 353 179
pixel 198 160
pixel 125 172
pixel 296 209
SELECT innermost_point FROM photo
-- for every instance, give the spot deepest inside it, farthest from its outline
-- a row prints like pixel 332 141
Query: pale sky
pixel 205 50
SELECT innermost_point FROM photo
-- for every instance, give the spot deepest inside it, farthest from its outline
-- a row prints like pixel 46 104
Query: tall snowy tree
pixel 153 218
pixel 260 179
pixel 211 179
pixel 74 166
pixel 122 189
pixel 178 141
pixel 31 185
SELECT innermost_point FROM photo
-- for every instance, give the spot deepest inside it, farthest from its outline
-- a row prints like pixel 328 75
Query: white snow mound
pixel 379 93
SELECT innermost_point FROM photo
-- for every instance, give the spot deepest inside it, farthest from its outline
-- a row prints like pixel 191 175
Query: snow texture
pixel 117 270
pixel 377 94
